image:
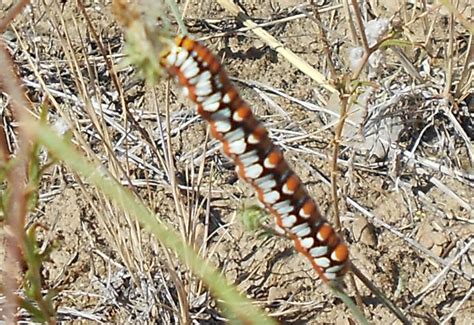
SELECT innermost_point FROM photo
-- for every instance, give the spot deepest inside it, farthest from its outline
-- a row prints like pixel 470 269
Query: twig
pixel 344 101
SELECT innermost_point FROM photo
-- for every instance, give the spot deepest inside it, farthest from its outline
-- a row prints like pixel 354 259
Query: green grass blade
pixel 356 312
pixel 234 303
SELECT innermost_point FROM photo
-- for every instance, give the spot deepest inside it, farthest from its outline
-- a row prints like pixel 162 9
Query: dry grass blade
pixel 302 65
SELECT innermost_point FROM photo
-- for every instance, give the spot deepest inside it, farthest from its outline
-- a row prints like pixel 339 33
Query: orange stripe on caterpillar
pixel 258 161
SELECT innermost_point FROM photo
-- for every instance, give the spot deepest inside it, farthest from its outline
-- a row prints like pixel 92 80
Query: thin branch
pixel 361 25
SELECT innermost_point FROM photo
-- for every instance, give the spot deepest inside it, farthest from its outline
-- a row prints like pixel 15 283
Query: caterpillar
pixel 258 161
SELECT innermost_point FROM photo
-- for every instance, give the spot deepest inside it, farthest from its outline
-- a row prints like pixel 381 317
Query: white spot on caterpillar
pixel 222 126
pixel 221 120
pixel 190 70
pixel 236 117
pixel 297 228
pixel 249 158
pixel 212 107
pixel 279 230
pixel 171 58
pixel 271 197
pixel 334 257
pixel 319 235
pixel 226 99
pixel 307 242
pixel 335 268
pixel 221 115
pixel 235 135
pixel 286 190
pixel 202 77
pixel 252 139
pixel 267 185
pixel 238 146
pixel 181 57
pixel 188 63
pixel 303 214
pixel 185 91
pixel 318 251
pixel 253 171
pixel 322 261
pixel 301 230
pixel 212 102
pixel 283 207
pixel 268 164
pixel 288 221
pixel 264 178
pixel 203 88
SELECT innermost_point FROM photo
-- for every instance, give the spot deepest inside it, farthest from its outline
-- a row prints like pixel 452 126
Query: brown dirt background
pixel 104 273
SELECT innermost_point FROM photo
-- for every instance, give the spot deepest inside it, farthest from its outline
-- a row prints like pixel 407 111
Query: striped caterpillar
pixel 258 161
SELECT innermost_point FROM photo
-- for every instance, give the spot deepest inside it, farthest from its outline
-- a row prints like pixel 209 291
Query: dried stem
pixel 360 23
pixel 326 46
pixel 449 57
pixel 344 101
pixel 16 209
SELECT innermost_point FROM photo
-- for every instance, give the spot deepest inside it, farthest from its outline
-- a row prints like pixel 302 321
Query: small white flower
pixel 375 29
pixel 61 126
